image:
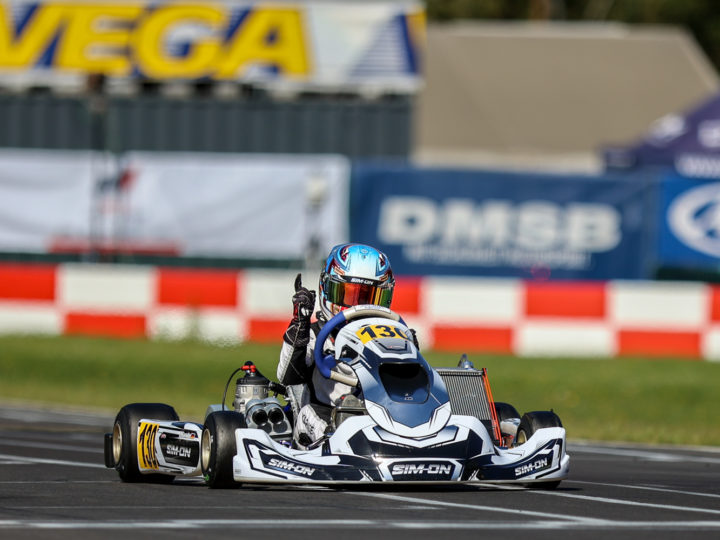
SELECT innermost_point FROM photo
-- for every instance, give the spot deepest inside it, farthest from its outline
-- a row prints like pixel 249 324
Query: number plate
pixel 377 331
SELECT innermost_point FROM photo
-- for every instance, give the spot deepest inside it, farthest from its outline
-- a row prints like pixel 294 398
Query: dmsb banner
pixel 463 222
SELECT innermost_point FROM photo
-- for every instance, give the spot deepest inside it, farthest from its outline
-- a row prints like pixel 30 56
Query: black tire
pixel 532 421
pixel 124 440
pixel 529 424
pixel 217 448
pixel 505 411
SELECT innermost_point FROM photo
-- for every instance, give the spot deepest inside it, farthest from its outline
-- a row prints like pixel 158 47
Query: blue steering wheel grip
pixel 327 362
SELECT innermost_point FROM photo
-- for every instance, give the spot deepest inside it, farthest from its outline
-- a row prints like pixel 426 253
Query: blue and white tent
pixel 688 142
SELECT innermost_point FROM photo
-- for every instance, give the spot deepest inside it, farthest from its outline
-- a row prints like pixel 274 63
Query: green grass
pixel 656 401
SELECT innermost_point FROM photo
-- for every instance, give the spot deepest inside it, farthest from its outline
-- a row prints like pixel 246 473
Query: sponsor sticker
pixel 532 467
pixel 422 470
pixel 290 467
pixel 180 451
pixel 362 281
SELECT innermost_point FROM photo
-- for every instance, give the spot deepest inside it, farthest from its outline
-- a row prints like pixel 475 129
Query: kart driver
pixel 354 274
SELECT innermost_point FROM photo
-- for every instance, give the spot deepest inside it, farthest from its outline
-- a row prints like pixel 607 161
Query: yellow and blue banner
pixel 312 43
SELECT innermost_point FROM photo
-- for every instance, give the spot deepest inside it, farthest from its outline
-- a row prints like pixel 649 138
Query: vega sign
pixel 191 40
pixel 160 42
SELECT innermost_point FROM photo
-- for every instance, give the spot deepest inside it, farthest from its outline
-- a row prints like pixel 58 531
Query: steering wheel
pixel 327 362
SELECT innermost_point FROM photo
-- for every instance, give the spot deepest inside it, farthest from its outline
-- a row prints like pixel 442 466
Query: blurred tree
pixel 700 17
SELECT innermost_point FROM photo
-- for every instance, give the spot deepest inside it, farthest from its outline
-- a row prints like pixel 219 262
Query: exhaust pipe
pixel 266 414
pixel 275 414
pixel 256 413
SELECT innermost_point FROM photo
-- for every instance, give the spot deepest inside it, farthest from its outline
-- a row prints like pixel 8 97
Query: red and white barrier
pixel 460 314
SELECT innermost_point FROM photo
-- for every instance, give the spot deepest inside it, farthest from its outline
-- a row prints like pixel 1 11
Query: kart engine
pixel 260 410
pixel 348 406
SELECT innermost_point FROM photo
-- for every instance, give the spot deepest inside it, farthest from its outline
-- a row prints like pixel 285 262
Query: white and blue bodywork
pixel 402 429
pixel 408 433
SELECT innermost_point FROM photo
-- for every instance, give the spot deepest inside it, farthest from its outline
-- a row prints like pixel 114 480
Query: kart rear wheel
pixel 529 424
pixel 508 414
pixel 505 411
pixel 124 440
pixel 218 448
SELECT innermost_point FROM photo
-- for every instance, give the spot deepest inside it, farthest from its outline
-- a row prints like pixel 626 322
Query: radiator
pixel 470 395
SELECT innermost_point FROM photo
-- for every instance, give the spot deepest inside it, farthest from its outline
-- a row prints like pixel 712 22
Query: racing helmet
pixel 355 274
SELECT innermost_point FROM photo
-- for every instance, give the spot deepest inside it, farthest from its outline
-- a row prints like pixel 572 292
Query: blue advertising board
pixel 482 223
pixel 690 223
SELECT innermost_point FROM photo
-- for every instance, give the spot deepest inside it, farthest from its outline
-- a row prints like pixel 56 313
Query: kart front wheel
pixel 532 421
pixel 529 424
pixel 124 439
pixel 218 448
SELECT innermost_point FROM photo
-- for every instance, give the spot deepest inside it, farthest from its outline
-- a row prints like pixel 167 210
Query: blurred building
pixel 549 95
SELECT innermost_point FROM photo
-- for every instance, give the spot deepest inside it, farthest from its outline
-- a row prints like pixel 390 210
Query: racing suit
pixel 312 395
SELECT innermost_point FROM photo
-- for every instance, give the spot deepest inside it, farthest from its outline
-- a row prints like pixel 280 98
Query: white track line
pixel 35 416
pixel 56 482
pixel 627 503
pixel 485 508
pixel 646 488
pixel 145 507
pixel 291 524
pixel 648 455
pixel 23 459
pixel 49 446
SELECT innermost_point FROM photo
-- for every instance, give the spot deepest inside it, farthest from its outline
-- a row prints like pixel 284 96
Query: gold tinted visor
pixel 354 294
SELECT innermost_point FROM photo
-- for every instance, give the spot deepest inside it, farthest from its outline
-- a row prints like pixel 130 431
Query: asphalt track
pixel 53 484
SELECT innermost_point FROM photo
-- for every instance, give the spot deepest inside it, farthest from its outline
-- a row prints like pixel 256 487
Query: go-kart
pixel 404 422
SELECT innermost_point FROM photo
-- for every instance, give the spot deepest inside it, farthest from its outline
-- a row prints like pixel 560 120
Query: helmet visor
pixel 354 294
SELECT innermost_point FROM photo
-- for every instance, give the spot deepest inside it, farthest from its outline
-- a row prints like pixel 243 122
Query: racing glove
pixel 298 331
